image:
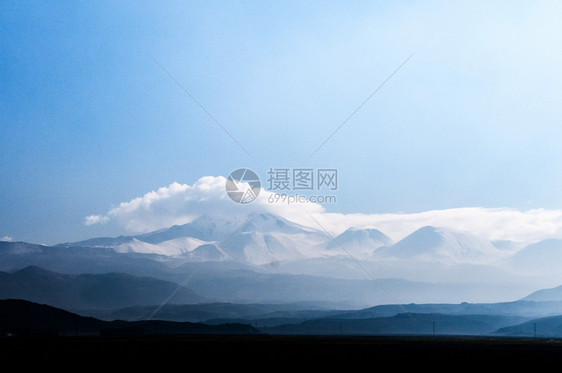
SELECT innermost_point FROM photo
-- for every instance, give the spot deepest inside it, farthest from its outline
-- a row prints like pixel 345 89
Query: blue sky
pixel 89 120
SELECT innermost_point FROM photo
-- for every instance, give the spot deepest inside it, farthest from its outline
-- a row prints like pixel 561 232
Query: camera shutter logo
pixel 243 186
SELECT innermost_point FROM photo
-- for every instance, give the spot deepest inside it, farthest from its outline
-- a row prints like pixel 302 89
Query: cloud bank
pixel 180 203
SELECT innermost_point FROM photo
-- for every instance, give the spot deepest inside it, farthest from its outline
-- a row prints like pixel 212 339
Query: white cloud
pixel 181 203
pixel 95 219
pixel 6 238
pixel 490 223
pixel 171 205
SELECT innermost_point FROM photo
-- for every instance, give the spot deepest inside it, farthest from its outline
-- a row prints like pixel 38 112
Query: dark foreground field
pixel 252 351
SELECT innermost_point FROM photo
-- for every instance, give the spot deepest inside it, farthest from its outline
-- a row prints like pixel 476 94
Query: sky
pixel 448 111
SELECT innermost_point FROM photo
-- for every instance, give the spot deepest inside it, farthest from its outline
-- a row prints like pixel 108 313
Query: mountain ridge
pixel 25 318
pixel 265 247
pixel 90 291
pixel 435 243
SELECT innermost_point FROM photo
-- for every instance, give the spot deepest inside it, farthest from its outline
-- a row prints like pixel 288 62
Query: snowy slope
pixel 172 247
pixel 541 258
pixel 361 243
pixel 443 245
pixel 267 239
pixel 259 238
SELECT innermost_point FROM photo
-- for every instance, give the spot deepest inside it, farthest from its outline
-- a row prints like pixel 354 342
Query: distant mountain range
pixel 260 239
pixel 265 239
pixel 91 291
pixel 103 299
pixel 444 245
pixel 401 324
pixel 265 258
pixel 546 295
pixel 24 318
pixel 545 327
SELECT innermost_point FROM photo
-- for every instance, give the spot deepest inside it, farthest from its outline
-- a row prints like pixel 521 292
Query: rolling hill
pixel 90 291
pixel 23 318
pixel 400 324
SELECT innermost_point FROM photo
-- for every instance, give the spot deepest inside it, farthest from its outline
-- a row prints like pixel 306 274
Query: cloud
pixel 6 238
pixel 490 223
pixel 95 219
pixel 180 203
pixel 171 205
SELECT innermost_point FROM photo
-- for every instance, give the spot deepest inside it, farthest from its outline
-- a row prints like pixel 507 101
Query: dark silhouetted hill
pixel 90 291
pixel 401 324
pixel 20 317
pixel 544 327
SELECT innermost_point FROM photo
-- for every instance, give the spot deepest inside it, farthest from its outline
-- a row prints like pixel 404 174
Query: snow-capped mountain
pixel 267 223
pixel 543 257
pixel 361 243
pixel 209 228
pixel 265 238
pixel 273 252
pixel 176 246
pixel 257 239
pixel 443 245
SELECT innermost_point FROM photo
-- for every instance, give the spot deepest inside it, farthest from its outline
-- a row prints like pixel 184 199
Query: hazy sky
pixel 89 120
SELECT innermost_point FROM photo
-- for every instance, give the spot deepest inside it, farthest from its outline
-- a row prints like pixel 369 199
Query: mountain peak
pixel 442 244
pixel 424 238
pixel 34 270
pixel 267 222
pixel 361 241
pixel 371 233
pixel 205 227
